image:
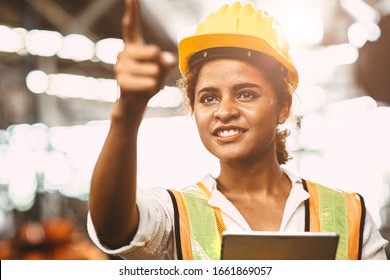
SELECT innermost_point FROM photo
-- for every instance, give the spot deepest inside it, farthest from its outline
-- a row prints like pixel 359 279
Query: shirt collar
pixel 211 184
pixel 296 197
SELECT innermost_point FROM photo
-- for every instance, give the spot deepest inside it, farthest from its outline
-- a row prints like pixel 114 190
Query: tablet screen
pixel 279 246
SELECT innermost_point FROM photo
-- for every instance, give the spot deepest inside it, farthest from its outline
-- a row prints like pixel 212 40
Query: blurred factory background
pixel 57 88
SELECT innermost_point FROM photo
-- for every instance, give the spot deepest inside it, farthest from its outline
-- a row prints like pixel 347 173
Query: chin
pixel 233 157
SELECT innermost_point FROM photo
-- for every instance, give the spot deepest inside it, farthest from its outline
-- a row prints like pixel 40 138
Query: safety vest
pixel 199 226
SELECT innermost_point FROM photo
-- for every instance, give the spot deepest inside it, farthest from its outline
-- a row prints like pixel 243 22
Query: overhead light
pixel 311 98
pixel 352 106
pixel 360 10
pixel 373 32
pixel 43 42
pixel 70 86
pixel 342 54
pixel 50 43
pixel 359 33
pixel 37 81
pixel 21 189
pixel 83 87
pixel 107 49
pixel 303 27
pixel 77 47
pixel 77 86
pixel 11 41
pixel 169 97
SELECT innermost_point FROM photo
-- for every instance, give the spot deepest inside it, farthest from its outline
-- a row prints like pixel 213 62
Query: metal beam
pixel 57 16
pixel 89 16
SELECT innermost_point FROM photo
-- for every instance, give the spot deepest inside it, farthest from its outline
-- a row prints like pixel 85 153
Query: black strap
pixel 307 208
pixel 362 223
pixel 254 57
pixel 176 226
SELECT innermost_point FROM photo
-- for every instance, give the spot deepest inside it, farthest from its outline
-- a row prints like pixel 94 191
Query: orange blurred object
pixel 31 233
pixel 52 239
pixel 6 250
pixel 58 230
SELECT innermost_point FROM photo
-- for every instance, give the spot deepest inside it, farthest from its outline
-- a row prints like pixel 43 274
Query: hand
pixel 140 69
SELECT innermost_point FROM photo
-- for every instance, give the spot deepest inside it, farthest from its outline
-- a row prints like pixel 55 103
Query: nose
pixel 226 110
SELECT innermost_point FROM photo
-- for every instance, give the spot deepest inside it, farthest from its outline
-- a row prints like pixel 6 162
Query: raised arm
pixel 140 72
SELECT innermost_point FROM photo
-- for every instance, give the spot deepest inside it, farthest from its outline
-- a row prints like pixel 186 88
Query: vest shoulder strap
pixel 197 225
pixel 332 210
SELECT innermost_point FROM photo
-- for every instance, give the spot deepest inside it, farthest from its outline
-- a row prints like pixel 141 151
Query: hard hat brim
pixel 193 44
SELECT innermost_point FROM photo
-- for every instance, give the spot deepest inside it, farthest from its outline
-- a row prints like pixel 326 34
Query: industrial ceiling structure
pixel 56 76
pixel 98 20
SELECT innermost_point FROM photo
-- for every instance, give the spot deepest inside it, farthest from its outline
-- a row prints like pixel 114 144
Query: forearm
pixel 113 186
pixel 140 72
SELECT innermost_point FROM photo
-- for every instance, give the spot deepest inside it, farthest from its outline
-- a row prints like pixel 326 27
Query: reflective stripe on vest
pixel 198 235
pixel 337 211
pixel 201 226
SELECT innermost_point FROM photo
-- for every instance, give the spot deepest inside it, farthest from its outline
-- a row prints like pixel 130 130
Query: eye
pixel 208 99
pixel 246 95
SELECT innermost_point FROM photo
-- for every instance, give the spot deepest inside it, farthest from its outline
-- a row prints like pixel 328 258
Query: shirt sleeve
pixel 373 243
pixel 155 235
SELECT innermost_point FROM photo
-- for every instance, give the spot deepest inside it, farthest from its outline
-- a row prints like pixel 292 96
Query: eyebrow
pixel 235 87
pixel 207 89
pixel 245 85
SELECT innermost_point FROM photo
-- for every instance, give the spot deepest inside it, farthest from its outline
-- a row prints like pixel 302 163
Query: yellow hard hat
pixel 239 26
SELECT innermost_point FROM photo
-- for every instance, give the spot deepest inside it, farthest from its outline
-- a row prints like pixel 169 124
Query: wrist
pixel 129 109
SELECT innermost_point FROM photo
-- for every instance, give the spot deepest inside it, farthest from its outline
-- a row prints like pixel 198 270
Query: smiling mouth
pixel 227 135
pixel 229 132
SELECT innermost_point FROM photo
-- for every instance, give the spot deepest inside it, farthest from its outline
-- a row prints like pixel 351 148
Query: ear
pixel 284 112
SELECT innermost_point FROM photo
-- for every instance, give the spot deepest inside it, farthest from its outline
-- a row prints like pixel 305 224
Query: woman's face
pixel 236 110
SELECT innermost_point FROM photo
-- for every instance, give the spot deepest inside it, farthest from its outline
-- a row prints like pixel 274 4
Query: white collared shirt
pixel 155 236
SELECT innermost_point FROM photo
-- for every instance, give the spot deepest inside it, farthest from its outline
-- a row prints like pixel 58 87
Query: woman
pixel 239 79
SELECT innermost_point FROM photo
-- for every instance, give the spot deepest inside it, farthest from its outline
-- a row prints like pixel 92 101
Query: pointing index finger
pixel 131 23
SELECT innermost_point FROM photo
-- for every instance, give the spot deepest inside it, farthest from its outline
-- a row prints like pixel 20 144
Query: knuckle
pixel 116 69
pixel 152 50
pixel 120 79
pixel 120 55
pixel 154 70
pixel 150 84
pixel 119 67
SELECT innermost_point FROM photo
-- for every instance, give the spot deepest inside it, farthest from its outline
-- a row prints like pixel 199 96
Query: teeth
pixel 227 133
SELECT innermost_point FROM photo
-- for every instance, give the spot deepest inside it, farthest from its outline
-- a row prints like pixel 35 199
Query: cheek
pixel 202 121
pixel 262 114
pixel 199 119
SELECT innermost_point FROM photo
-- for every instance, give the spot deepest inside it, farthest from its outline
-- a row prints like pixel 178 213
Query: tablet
pixel 279 246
